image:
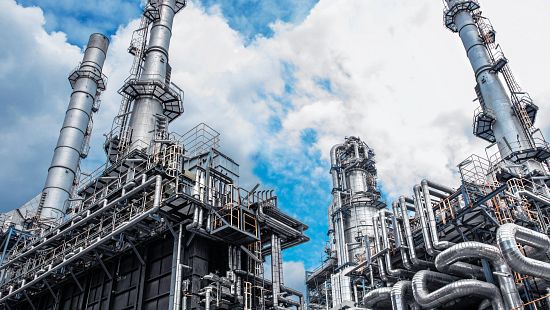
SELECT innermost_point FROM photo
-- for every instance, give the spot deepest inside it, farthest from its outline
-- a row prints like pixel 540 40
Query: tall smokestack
pixel 87 81
pixel 154 95
pixel 507 129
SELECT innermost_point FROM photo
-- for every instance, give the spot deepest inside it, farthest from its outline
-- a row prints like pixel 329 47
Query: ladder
pixel 500 64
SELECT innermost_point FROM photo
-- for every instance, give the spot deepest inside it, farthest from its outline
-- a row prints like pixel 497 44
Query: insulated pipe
pixel 66 158
pixel 376 296
pixel 275 268
pixel 453 289
pixel 386 243
pixel 423 221
pixel 400 237
pixel 485 304
pixel 157 200
pixel 408 234
pixel 507 127
pixel 466 250
pixel 59 234
pixel 381 271
pixel 334 166
pixel 440 187
pixel 508 237
pixel 437 244
pixel 143 120
pixel 402 296
pixel 177 271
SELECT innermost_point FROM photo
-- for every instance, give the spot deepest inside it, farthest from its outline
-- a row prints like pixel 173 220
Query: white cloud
pixel 399 80
pixel 294 274
pixel 34 66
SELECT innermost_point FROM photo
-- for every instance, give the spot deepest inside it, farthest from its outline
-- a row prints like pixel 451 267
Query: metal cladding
pixel 354 208
pixel 162 224
pixel 148 108
pixel 451 288
pixel 507 128
pixel 508 237
pixel 87 82
pixel 488 237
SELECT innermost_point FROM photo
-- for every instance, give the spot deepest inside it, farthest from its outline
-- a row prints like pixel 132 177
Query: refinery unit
pixel 481 245
pixel 163 224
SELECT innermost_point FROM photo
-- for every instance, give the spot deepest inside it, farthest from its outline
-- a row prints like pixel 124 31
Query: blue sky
pixel 79 18
pixel 282 94
pixel 251 19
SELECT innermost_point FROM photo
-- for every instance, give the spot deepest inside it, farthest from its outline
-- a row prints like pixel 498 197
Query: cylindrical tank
pixel 87 80
pixel 143 120
pixel 357 181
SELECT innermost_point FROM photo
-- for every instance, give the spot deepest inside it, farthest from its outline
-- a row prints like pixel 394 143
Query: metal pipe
pixel 334 167
pixel 423 221
pixel 207 298
pixel 155 208
pixel 508 237
pixel 86 82
pixel 507 127
pixel 452 288
pixel 177 271
pixel 409 236
pixel 400 237
pixel 59 234
pixel 386 243
pixel 485 304
pixel 376 296
pixel 437 244
pixel 402 296
pixel 446 260
pixel 381 271
pixel 275 271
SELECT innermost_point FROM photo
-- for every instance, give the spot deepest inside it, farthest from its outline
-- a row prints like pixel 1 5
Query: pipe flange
pixel 458 6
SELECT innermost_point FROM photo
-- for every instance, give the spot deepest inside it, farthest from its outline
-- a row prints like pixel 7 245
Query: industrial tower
pixel 163 223
pixel 482 245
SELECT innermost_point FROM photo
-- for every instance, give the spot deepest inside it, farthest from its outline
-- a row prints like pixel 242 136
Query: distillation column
pixel 152 90
pixel 87 82
pixel 355 203
pixel 509 133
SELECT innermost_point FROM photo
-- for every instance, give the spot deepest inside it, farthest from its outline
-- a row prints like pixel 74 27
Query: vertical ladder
pixel 500 63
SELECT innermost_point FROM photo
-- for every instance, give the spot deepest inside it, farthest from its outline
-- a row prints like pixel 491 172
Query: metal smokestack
pixel 153 85
pixel 508 130
pixel 87 81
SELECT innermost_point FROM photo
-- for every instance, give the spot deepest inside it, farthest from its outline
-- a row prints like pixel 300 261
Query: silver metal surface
pixel 508 237
pixel 507 127
pixel 144 117
pixel 376 296
pixel 402 296
pixel 70 145
pixel 451 288
pixel 467 250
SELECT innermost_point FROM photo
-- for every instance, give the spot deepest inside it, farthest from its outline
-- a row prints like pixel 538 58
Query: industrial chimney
pixel 87 82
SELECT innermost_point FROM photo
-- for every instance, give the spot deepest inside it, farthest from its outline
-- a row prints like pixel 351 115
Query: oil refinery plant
pixel 163 224
pixel 483 245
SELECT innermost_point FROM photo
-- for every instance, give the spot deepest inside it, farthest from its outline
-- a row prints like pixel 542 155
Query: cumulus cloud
pixel 34 66
pixel 294 274
pixel 387 71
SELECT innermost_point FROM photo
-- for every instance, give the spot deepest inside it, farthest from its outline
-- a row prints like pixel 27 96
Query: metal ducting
pixel 451 289
pixel 447 259
pixel 510 235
